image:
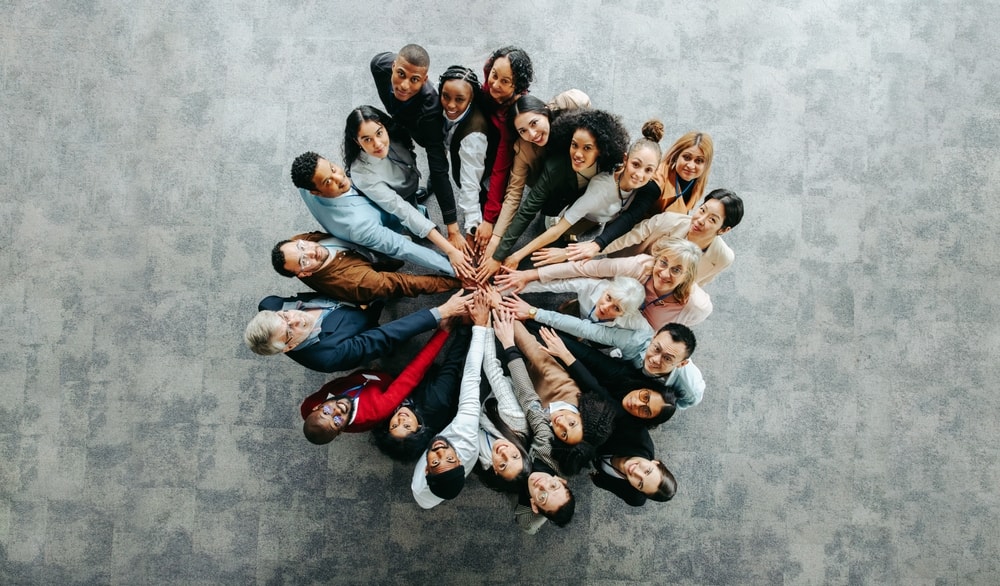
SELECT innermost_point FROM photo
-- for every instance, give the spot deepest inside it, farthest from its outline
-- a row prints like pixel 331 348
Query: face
pixel 664 355
pixel 547 492
pixel 667 274
pixel 292 327
pixel 402 423
pixel 567 426
pixel 329 179
pixel 456 96
pixel 639 167
pixel 441 457
pixel 500 83
pixel 407 79
pixel 707 220
pixel 533 127
pixel 690 163
pixel 607 307
pixel 333 414
pixel 642 474
pixel 303 257
pixel 643 403
pixel 374 139
pixel 583 150
pixel 507 462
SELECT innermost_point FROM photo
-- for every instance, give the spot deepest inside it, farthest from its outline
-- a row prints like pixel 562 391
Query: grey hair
pixel 628 292
pixel 259 332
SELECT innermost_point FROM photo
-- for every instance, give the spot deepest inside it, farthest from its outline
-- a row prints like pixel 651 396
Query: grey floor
pixel 848 432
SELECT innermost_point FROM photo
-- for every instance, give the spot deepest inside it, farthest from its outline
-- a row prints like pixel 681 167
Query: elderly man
pixel 335 268
pixel 330 336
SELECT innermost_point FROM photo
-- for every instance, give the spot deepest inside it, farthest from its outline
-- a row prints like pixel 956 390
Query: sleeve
pixel 697 308
pixel 721 257
pixel 604 268
pixel 472 153
pixel 599 192
pixel 690 384
pixel 519 172
pixel 578 327
pixel 507 405
pixel 468 398
pixel 367 345
pixel 579 286
pixel 386 198
pixel 527 520
pixel 662 223
pixel 501 168
pixel 527 211
pixel 379 238
pixel 586 381
pixel 430 135
pixel 384 403
pixel 630 216
pixel 620 488
pixel 530 404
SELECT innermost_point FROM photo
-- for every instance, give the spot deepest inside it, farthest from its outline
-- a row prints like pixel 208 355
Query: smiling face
pixel 407 79
pixel 533 127
pixel 668 273
pixel 291 327
pixel 664 355
pixel 329 179
pixel 643 403
pixel 690 163
pixel 639 168
pixel 546 492
pixel 642 474
pixel 706 221
pixel 304 257
pixel 567 426
pixel 373 139
pixel 500 83
pixel 332 415
pixel 441 457
pixel 607 308
pixel 507 461
pixel 583 150
pixel 403 422
pixel 456 97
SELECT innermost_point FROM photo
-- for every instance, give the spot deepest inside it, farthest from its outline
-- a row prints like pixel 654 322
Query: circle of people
pixel 567 389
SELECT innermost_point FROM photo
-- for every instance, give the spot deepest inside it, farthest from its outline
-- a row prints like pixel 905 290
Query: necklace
pixel 677 184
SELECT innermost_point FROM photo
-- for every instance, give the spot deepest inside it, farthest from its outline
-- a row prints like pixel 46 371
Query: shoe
pixel 421 194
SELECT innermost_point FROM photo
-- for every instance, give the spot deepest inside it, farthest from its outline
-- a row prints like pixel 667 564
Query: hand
pixel 483 234
pixel 515 281
pixel 549 256
pixel 480 311
pixel 503 327
pixel 582 250
pixel 487 268
pixel 491 247
pixel 512 262
pixel 457 304
pixel 493 294
pixel 519 307
pixel 555 347
pixel 471 247
pixel 459 262
pixel 455 238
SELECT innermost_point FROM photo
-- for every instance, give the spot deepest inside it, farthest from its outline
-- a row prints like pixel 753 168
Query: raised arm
pixel 507 405
pixel 400 388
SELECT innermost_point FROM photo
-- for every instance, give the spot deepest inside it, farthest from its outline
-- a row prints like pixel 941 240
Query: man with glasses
pixel 337 269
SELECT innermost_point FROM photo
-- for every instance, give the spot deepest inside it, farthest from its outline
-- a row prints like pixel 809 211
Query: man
pixel 401 82
pixel 347 214
pixel 334 268
pixel 440 474
pixel 329 336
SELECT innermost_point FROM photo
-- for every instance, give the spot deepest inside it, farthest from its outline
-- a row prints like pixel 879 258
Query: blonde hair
pixel 685 252
pixel 666 174
pixel 259 332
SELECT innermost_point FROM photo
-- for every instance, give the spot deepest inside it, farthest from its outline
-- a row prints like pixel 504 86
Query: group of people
pixel 568 388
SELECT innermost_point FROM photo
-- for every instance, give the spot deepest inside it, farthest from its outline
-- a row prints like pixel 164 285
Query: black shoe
pixel 422 193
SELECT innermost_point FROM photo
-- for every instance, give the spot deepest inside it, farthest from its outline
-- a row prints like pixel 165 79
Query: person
pixel 346 213
pixel 465 139
pixel 611 302
pixel 532 119
pixel 583 144
pixel 363 399
pixel 668 277
pixel 335 268
pixel 607 197
pixel 441 474
pixel 626 467
pixel 401 82
pixel 384 170
pixel 328 336
pixel 545 495
pixel 508 73
pixel 721 211
pixel 663 357
pixel 683 173
pixel 408 430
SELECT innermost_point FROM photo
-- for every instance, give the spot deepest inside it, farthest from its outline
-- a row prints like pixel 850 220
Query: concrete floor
pixel 847 435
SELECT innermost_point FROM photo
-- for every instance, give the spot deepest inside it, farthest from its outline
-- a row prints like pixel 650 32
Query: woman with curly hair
pixel 608 196
pixel 584 144
pixel 384 169
pixel 509 73
pixel 683 173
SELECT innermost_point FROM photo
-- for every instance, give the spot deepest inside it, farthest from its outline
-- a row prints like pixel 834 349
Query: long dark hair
pixel 487 476
pixel 410 447
pixel 608 131
pixel 359 115
pixel 598 417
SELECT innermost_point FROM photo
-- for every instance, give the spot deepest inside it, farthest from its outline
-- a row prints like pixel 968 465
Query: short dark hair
pixel 278 259
pixel 303 169
pixel 464 74
pixel 608 130
pixel 316 434
pixel 415 55
pixel 564 514
pixel 668 485
pixel 680 333
pixel 732 206
pixel 520 67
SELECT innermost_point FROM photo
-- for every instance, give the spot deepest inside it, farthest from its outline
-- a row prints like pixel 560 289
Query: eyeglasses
pixel 664 263
pixel 288 326
pixel 301 247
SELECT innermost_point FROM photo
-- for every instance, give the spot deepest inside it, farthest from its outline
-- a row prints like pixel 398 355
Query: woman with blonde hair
pixel 683 173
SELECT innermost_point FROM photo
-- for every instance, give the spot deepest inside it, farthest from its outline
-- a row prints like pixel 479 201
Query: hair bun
pixel 653 130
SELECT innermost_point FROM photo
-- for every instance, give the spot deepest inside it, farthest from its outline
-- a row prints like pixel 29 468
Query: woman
pixel 613 303
pixel 683 173
pixel 532 120
pixel 626 467
pixel 465 132
pixel 584 144
pixel 668 278
pixel 509 74
pixel 608 195
pixel 385 171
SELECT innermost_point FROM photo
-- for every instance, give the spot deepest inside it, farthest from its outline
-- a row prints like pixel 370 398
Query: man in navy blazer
pixel 329 336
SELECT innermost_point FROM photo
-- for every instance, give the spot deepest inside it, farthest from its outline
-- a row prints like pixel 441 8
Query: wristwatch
pixel 532 312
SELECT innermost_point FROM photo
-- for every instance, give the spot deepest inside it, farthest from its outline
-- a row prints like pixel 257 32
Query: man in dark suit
pixel 329 336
